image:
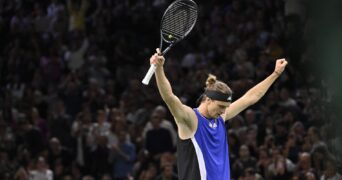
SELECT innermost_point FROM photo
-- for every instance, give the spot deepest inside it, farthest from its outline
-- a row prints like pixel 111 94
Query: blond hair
pixel 213 84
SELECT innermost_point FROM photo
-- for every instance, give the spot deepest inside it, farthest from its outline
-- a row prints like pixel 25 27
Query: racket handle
pixel 149 74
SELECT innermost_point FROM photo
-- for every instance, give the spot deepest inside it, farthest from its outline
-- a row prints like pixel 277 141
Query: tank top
pixel 204 156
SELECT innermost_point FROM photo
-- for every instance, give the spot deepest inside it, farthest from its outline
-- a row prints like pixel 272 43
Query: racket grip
pixel 149 74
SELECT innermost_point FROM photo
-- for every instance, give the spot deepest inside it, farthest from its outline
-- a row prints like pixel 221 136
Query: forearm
pixel 180 111
pixel 259 90
pixel 163 84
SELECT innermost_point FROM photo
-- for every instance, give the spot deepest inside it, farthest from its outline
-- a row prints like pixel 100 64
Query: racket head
pixel 178 20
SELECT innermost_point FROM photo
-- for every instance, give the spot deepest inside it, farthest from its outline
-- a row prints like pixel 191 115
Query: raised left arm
pixel 256 93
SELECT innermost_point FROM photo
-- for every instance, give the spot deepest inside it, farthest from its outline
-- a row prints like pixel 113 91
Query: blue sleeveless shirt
pixel 209 159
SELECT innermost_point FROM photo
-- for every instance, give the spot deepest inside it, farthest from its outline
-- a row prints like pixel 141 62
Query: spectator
pixel 59 124
pixel 315 138
pixel 330 171
pixel 167 173
pixel 41 171
pixel 243 162
pixel 58 153
pixel 149 173
pixel 160 111
pixel 100 154
pixel 63 60
pixel 124 157
pixel 158 139
pixel 280 167
pixel 264 161
pixel 304 164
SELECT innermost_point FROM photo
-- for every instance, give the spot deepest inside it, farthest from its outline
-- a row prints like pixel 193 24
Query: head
pixel 310 176
pixel 55 144
pixel 122 136
pixel 249 174
pixel 244 152
pixel 216 98
pixel 314 134
pixel 276 153
pixel 284 94
pixel 152 169
pixel 330 168
pixel 250 116
pixel 304 161
pixel 263 153
pixel 101 116
pixel 251 135
pixel 166 159
pixel 233 140
pixel 59 107
pixel 280 127
pixel 298 128
pixel 156 119
pixel 41 164
pixel 167 170
pixel 34 113
pixel 160 111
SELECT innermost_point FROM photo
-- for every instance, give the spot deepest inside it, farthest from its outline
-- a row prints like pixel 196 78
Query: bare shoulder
pixel 187 127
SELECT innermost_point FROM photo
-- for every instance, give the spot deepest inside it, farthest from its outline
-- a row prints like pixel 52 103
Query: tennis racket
pixel 177 22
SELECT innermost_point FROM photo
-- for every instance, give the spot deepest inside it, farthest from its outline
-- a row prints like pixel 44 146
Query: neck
pixel 202 108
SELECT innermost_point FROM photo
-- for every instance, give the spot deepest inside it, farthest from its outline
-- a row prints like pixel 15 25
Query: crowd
pixel 72 105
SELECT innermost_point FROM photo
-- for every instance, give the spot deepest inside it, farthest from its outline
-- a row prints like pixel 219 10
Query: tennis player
pixel 202 148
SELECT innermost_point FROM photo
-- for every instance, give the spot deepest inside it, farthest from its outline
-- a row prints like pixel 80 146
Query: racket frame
pixel 153 67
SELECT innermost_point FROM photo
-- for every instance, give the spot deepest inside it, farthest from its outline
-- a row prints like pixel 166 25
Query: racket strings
pixel 179 20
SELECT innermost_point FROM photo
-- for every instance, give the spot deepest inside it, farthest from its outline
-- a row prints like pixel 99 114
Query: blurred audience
pixel 72 105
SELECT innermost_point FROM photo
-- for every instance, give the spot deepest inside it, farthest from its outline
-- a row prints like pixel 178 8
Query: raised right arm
pixel 184 116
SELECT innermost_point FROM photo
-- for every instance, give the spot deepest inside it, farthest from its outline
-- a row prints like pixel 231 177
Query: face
pixel 275 153
pixel 311 132
pixel 122 136
pixel 216 108
pixel 155 119
pixel 304 161
pixel 249 116
pixel 101 116
pixel 244 151
pixel 41 163
pixel 54 144
pixel 168 171
pixel 263 154
pixel 330 169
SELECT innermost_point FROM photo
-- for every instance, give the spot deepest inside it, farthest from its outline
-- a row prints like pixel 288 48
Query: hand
pixel 280 66
pixel 157 59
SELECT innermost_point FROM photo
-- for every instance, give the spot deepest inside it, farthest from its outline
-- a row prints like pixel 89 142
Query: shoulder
pixel 188 129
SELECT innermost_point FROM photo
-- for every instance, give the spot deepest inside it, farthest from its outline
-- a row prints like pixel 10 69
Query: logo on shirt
pixel 213 125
